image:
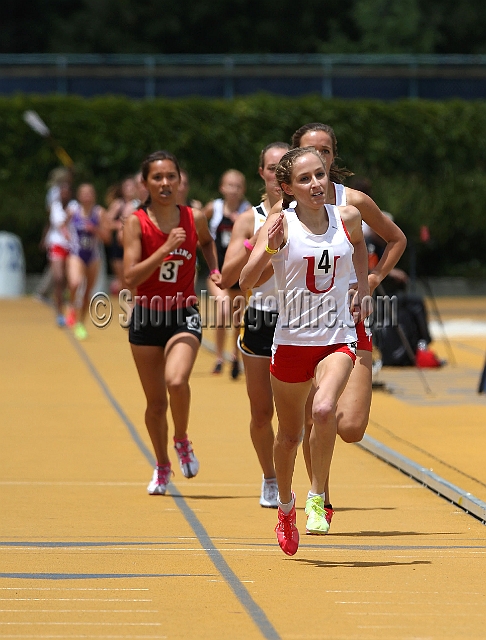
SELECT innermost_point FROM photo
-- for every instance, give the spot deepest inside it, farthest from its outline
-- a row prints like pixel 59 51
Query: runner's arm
pixel 207 244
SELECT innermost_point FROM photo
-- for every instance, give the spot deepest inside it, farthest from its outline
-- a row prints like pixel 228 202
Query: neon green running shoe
pixel 317 521
pixel 80 331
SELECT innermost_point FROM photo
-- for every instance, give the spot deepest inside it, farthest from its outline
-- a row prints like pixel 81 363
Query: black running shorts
pixel 153 328
pixel 256 336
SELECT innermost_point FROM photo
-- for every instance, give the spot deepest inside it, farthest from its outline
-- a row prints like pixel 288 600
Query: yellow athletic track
pixel 86 553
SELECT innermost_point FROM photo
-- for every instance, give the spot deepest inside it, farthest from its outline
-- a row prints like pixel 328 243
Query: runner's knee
pixel 352 429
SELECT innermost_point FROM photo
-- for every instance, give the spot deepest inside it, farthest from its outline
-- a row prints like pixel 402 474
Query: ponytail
pixel 286 200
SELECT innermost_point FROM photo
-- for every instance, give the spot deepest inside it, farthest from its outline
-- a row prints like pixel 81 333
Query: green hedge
pixel 427 160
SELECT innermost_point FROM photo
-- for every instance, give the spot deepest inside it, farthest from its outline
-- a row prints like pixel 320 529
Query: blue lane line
pixel 89 576
pixel 255 612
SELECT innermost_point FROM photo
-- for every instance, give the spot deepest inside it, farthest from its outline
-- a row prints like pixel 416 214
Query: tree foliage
pixel 427 160
pixel 242 26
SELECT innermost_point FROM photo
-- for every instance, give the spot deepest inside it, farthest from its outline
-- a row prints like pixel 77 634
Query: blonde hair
pixel 235 172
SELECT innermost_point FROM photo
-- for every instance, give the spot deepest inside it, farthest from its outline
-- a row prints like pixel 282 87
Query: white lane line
pixel 72 600
pixel 422 593
pixel 66 589
pixel 107 551
pixel 79 611
pixel 326 547
pixel 418 604
pixel 393 626
pixel 80 483
pixel 422 615
pixel 87 624
pixel 458 327
pixel 70 483
pixel 250 581
pixel 64 637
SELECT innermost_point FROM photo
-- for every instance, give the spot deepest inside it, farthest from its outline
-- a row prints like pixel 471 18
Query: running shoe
pixel 80 331
pixel 235 369
pixel 287 533
pixel 71 318
pixel 269 493
pixel 318 517
pixel 187 460
pixel 376 367
pixel 60 320
pixel 218 367
pixel 161 478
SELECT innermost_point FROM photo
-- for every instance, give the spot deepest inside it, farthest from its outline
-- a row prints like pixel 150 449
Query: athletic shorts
pixel 154 328
pixel 256 335
pixel 365 342
pixel 292 363
pixel 56 252
pixel 87 255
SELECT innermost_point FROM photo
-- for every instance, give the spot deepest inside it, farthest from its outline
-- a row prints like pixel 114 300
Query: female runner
pixel 355 402
pixel 83 262
pixel 313 247
pixel 160 242
pixel 256 336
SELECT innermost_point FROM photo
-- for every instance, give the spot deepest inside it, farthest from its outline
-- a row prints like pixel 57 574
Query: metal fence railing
pixel 227 76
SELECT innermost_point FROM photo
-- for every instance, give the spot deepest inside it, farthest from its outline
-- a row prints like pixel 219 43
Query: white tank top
pixel 340 194
pixel 263 297
pixel 340 191
pixel 312 276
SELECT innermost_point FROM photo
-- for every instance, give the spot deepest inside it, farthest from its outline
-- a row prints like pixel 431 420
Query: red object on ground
pixel 425 358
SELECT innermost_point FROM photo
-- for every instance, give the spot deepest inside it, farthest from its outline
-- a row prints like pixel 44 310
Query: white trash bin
pixel 12 266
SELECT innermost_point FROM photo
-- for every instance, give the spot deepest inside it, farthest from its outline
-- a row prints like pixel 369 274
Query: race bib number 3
pixel 169 270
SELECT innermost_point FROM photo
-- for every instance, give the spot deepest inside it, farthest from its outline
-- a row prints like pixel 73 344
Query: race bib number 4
pixel 322 267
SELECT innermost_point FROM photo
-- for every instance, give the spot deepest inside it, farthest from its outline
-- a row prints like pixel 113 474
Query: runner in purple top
pixel 84 258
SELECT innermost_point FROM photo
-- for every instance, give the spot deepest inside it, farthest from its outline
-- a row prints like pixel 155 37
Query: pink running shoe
pixel 287 532
pixel 161 478
pixel 187 460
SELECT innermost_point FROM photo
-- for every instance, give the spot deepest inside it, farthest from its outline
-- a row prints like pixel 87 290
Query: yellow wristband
pixel 271 251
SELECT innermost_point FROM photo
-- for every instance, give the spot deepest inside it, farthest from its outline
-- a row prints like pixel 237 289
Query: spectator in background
pixel 57 243
pixel 222 214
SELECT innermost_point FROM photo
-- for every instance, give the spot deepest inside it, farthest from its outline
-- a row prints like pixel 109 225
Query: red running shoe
pixel 71 318
pixel 287 533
